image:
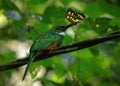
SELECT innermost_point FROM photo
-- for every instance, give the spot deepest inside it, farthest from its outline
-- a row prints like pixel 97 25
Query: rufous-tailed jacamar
pixel 46 41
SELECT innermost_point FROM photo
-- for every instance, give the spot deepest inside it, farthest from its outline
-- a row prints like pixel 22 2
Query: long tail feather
pixel 31 58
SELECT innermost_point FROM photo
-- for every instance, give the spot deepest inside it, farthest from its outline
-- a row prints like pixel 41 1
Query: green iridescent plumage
pixel 46 39
pixel 56 34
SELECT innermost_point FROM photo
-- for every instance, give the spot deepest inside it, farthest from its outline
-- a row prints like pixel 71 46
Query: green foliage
pixel 52 13
pixel 95 66
pixel 36 2
pixel 6 57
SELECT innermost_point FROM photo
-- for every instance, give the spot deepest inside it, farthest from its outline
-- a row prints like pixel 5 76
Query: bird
pixel 45 42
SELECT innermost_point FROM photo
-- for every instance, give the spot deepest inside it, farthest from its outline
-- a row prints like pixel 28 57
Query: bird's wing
pixel 42 43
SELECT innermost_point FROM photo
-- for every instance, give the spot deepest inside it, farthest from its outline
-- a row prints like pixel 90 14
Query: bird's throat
pixel 62 33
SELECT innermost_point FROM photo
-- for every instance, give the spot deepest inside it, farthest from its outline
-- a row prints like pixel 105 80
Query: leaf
pixel 7 5
pixel 67 40
pixel 115 22
pixel 41 27
pixel 95 50
pixel 33 34
pixel 65 2
pixel 36 2
pixel 109 8
pixel 115 67
pixel 92 10
pixel 108 83
pixel 3 20
pixel 6 57
pixel 54 15
pixel 97 9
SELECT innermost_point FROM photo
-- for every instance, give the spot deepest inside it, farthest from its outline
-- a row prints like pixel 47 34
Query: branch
pixel 60 50
pixel 99 39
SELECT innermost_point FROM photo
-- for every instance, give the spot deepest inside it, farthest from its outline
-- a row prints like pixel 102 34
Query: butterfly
pixel 74 17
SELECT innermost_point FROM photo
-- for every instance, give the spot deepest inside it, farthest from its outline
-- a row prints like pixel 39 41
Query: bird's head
pixel 61 29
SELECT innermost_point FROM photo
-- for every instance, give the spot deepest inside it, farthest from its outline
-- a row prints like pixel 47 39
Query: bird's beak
pixel 69 25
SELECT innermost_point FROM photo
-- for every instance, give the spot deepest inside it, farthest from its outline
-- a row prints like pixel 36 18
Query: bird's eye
pixel 62 28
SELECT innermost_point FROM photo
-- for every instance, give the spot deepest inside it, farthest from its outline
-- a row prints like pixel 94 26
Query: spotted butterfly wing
pixel 74 17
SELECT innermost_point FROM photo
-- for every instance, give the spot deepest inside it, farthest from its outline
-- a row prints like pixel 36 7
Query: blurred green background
pixel 21 21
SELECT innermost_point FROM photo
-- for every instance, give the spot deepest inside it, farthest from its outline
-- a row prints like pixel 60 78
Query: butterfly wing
pixel 74 17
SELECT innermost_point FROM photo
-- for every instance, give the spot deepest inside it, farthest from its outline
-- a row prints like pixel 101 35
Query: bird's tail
pixel 31 58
